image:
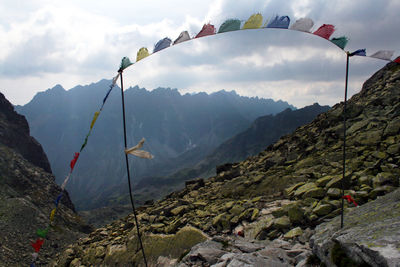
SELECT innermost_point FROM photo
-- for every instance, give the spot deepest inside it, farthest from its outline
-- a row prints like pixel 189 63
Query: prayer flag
pixel 229 25
pixel 207 29
pixel 125 62
pixel 34 255
pixel 383 54
pixel 42 233
pixel 184 36
pixel 325 31
pixel 96 115
pixel 52 213
pixel 65 181
pixel 350 199
pixel 142 53
pixel 38 244
pixel 58 199
pixel 73 161
pixel 340 41
pixel 162 44
pixel 279 22
pixel 397 60
pixel 254 22
pixel 139 153
pixel 303 25
pixel 359 52
pixel 85 142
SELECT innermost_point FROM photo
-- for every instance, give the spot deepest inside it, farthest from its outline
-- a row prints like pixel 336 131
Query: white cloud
pixel 79 42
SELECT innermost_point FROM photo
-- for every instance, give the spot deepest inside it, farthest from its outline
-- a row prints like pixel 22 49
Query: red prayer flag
pixel 38 244
pixel 207 29
pixel 350 199
pixel 73 161
pixel 325 31
pixel 397 60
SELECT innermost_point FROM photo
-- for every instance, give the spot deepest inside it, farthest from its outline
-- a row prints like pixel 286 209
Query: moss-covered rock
pixel 322 209
pixel 295 232
pixel 282 223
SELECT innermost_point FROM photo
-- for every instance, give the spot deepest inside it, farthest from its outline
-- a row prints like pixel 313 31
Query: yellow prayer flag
pixel 96 114
pixel 142 53
pixel 53 212
pixel 254 22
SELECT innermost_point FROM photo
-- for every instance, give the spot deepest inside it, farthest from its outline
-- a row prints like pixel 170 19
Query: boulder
pixel 370 235
pixel 322 209
pixel 295 232
pixel 282 223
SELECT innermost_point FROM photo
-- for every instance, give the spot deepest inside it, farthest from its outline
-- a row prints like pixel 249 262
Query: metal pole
pixel 127 171
pixel 344 136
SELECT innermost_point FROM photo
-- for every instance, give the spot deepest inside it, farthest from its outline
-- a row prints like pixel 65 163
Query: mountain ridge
pixel 172 124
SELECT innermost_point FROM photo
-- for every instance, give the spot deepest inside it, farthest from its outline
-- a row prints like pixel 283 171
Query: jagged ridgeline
pixel 291 186
pixel 179 130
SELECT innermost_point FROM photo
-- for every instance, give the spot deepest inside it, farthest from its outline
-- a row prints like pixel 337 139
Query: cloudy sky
pixel 47 42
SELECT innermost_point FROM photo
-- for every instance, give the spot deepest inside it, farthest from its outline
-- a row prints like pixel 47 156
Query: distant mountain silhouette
pixel 179 129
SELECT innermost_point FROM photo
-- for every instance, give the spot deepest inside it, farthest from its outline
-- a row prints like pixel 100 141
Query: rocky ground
pixel 273 200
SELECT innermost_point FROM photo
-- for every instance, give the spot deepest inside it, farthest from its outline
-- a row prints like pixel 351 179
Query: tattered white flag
pixel 139 153
pixel 383 54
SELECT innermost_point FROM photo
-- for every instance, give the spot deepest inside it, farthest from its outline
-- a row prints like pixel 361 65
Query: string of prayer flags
pixel 207 29
pixel 359 52
pixel 184 36
pixel 325 31
pixel 73 161
pixel 162 44
pixel 254 22
pixel 397 60
pixel 229 25
pixel 126 62
pixel 42 233
pixel 303 25
pixel 279 22
pixel 383 54
pixel 139 153
pixel 340 41
pixel 142 53
pixel 38 244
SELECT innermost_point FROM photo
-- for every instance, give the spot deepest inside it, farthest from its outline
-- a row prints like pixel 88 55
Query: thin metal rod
pixel 344 137
pixel 127 171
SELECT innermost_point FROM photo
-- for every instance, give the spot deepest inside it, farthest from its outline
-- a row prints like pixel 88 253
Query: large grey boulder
pixel 371 235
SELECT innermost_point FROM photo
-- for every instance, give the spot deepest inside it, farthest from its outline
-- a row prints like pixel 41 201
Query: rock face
pixel 370 235
pixel 14 133
pixel 27 192
pixel 284 191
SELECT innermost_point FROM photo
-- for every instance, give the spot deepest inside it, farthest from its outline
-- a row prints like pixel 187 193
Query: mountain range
pixel 180 130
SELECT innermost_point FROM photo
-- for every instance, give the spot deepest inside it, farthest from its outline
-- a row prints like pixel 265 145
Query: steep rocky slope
pixel 27 192
pixel 282 193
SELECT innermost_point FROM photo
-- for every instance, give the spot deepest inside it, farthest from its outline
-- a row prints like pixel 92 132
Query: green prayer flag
pixel 229 25
pixel 86 139
pixel 42 233
pixel 340 41
pixel 126 62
